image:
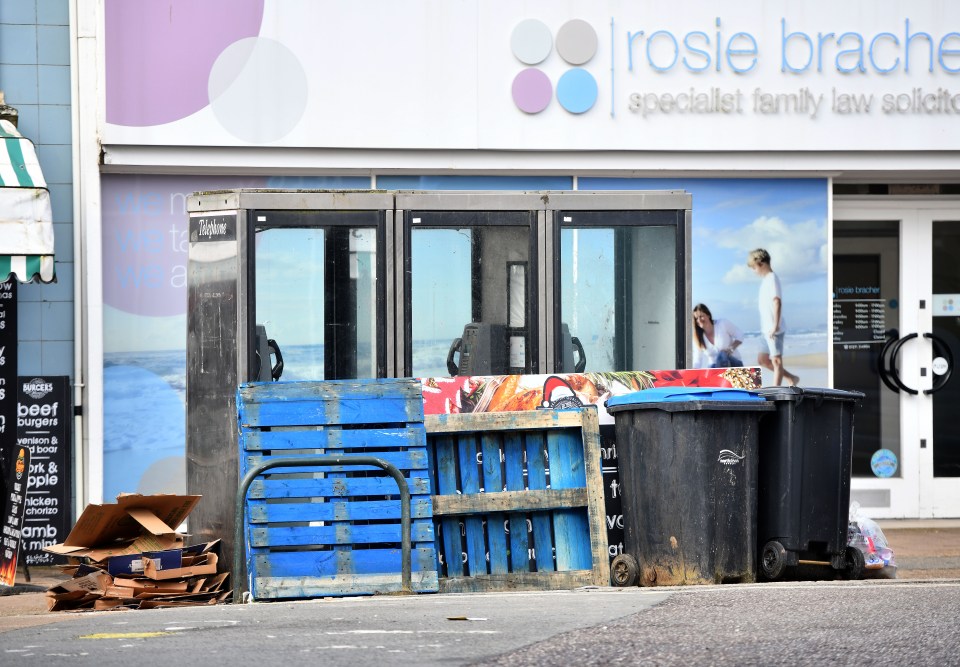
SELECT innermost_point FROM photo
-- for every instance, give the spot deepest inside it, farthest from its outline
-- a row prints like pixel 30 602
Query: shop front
pixel 896 337
pixel 767 117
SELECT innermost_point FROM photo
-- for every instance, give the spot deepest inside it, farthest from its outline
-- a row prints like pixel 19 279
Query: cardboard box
pixel 132 564
pixel 136 587
pixel 132 525
pixel 205 564
pixel 94 583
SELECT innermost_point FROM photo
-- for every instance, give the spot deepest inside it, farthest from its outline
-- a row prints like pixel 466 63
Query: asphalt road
pixel 862 622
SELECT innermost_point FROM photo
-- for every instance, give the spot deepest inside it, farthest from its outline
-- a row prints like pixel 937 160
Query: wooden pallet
pixel 519 502
pixel 335 532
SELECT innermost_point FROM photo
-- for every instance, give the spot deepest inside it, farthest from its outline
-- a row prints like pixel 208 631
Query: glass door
pixel 621 291
pixel 896 332
pixel 471 281
pixel 317 296
pixel 940 461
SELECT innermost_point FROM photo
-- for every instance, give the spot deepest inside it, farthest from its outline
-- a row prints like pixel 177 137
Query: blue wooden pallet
pixel 335 532
pixel 519 500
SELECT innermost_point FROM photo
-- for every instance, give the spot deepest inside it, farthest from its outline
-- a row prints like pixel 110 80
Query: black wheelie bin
pixel 803 500
pixel 687 459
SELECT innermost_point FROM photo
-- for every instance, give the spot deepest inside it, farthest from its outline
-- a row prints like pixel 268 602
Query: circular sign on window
pixel 940 366
pixel 883 463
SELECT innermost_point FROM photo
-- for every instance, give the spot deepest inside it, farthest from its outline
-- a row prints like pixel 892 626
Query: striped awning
pixel 26 220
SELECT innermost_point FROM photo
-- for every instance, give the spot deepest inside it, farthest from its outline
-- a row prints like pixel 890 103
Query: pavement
pixel 925 550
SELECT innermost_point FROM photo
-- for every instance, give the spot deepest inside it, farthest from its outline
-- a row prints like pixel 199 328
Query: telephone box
pixel 323 285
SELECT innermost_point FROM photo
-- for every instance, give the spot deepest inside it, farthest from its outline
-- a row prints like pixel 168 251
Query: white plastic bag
pixel 865 534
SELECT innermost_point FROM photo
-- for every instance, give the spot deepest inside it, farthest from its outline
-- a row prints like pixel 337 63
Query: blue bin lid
pixel 678 394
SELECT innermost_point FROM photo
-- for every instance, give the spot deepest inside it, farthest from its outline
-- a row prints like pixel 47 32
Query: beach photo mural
pixel 145 297
pixel 145 322
pixel 732 217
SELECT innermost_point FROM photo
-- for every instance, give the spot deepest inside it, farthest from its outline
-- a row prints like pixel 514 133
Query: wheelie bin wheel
pixel 855 564
pixel 624 570
pixel 773 560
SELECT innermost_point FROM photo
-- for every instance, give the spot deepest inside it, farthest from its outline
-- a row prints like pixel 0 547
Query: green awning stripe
pixel 27 268
pixel 15 153
pixel 33 265
pixel 4 133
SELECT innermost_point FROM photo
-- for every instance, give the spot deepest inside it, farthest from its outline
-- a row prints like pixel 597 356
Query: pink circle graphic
pixel 159 54
pixel 532 90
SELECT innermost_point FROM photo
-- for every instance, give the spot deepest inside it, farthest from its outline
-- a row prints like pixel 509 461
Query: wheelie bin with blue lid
pixel 804 481
pixel 687 460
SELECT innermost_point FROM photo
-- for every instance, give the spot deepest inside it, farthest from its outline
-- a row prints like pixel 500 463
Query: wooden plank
pixel 254 393
pixel 413 435
pixel 386 410
pixel 518 501
pixel 513 471
pixel 469 484
pixel 445 450
pixel 277 588
pixel 493 485
pixel 332 562
pixel 518 581
pixel 340 533
pixel 336 509
pixel 405 461
pixel 310 488
pixel 341 524
pixel 537 481
pixel 596 508
pixel 571 534
pixel 502 421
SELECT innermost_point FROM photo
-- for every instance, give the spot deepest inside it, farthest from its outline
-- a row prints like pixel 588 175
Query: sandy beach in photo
pixel 810 368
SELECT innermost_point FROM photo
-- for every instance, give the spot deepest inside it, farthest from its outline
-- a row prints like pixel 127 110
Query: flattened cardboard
pixel 94 583
pixel 143 543
pixel 82 602
pixel 136 586
pixel 105 603
pixel 132 515
pixel 150 569
pixel 169 559
pixel 216 583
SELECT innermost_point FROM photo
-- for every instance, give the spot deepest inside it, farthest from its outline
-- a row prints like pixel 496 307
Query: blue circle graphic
pixel 883 463
pixel 577 90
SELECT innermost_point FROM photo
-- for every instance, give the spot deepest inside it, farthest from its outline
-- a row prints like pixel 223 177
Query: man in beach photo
pixel 772 323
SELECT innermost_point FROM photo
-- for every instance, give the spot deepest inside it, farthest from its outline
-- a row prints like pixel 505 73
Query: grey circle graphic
pixel 577 42
pixel 258 90
pixel 531 41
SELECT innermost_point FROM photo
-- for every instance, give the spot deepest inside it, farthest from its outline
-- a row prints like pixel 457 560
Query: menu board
pixel 8 376
pixel 12 506
pixel 44 418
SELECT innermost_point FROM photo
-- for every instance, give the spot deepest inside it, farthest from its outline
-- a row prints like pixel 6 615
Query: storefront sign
pixel 44 416
pixel 207 228
pixel 760 75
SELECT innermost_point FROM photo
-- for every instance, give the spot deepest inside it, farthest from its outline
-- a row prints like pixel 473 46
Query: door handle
pixel 882 362
pixel 941 349
pixel 892 368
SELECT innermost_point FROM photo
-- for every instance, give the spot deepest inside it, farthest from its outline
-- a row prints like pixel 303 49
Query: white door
pixel 896 304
